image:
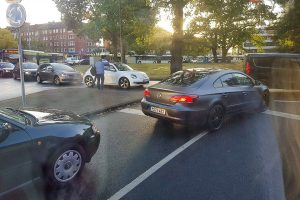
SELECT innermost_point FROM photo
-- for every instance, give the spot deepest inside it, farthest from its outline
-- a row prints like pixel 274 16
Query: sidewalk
pixel 84 101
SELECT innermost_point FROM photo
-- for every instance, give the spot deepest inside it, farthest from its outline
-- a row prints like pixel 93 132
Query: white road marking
pixel 282 101
pixel 125 190
pixel 282 114
pixel 132 111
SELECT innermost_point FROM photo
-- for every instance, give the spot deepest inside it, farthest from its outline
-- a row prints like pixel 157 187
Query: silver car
pixel 58 73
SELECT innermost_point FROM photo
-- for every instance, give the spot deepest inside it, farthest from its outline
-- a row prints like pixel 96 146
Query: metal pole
pixel 121 43
pixel 21 67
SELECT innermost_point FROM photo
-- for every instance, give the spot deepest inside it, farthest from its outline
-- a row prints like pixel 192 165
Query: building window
pixel 71 43
pixel 70 36
pixel 64 37
pixel 64 30
pixel 65 49
pixel 71 49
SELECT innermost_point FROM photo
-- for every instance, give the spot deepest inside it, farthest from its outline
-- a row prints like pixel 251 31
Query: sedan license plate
pixel 158 110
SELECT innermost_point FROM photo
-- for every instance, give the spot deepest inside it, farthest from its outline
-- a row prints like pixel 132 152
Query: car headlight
pixel 133 76
pixel 27 72
pixel 64 75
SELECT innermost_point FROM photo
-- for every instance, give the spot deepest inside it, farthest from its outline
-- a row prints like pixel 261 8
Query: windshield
pixel 16 115
pixel 7 65
pixel 30 66
pixel 123 67
pixel 62 67
pixel 186 77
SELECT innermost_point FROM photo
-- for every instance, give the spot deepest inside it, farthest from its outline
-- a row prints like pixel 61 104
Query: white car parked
pixel 118 74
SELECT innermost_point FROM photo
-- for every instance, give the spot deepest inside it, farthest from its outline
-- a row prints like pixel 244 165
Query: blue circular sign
pixel 16 15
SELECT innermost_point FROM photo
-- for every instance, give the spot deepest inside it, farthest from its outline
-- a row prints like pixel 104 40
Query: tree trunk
pixel 224 54
pixel 177 39
pixel 215 54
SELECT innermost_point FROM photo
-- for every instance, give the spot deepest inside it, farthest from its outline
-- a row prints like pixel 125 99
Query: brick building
pixel 58 39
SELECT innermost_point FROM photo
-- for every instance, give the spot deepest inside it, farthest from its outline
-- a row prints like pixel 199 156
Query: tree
pixel 7 40
pixel 176 7
pixel 195 46
pixel 110 19
pixel 226 24
pixel 288 27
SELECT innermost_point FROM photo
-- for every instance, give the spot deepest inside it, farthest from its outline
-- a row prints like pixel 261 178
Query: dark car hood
pixel 46 116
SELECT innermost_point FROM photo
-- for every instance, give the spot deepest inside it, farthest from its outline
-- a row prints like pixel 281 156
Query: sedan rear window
pixel 7 65
pixel 186 77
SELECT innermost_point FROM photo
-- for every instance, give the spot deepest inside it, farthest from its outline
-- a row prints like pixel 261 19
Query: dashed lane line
pixel 125 190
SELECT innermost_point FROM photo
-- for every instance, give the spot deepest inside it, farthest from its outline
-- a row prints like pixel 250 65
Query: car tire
pixel 264 101
pixel 215 117
pixel 124 83
pixel 38 79
pixel 89 81
pixel 65 165
pixel 56 80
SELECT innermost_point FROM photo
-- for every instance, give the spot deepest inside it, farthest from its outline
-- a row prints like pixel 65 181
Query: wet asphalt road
pixel 11 88
pixel 241 161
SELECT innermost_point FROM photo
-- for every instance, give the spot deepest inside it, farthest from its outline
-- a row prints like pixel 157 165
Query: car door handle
pixel 225 95
pixel 245 93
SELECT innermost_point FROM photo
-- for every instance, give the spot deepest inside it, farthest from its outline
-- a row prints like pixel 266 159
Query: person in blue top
pixel 100 64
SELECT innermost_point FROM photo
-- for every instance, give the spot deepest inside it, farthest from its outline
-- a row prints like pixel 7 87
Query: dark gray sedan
pixel 204 96
pixel 57 73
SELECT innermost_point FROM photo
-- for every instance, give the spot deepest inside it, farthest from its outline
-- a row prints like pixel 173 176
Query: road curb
pixel 110 108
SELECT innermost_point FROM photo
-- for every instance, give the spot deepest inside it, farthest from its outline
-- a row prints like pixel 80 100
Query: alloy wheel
pixel 124 83
pixel 216 117
pixel 67 165
pixel 89 81
pixel 56 80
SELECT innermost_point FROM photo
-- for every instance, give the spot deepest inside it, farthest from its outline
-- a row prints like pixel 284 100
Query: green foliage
pixel 7 40
pixel 288 28
pixel 110 19
pixel 195 46
pixel 226 24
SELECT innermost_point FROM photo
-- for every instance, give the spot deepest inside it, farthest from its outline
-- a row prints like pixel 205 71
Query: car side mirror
pixel 5 129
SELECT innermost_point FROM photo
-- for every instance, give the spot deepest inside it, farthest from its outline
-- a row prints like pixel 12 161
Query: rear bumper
pixel 176 113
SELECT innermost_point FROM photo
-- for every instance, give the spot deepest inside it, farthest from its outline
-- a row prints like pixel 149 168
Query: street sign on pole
pixel 16 15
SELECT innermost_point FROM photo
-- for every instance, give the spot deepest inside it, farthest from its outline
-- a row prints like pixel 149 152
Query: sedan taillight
pixel 146 93
pixel 183 98
pixel 248 68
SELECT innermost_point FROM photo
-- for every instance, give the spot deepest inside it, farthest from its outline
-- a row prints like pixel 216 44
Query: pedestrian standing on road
pixel 100 64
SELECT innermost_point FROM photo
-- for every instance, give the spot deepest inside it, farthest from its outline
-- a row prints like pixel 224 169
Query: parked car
pixel 57 73
pixel 48 143
pixel 118 74
pixel 6 69
pixel 84 62
pixel 277 70
pixel 200 96
pixel 29 69
pixel 72 61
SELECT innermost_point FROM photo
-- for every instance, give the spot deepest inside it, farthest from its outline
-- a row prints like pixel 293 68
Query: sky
pixel 43 11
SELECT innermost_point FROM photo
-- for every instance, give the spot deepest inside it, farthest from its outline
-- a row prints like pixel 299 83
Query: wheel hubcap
pixel 124 83
pixel 67 165
pixel 89 81
pixel 216 116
